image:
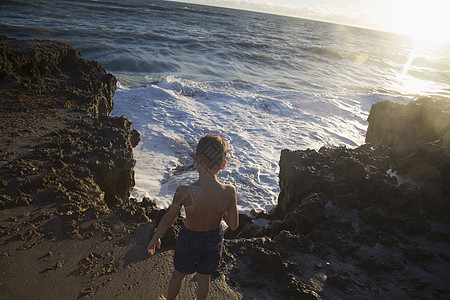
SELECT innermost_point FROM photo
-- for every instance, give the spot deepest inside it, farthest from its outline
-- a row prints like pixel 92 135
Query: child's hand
pixel 151 248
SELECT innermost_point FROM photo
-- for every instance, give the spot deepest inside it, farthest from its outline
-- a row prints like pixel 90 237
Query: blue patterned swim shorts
pixel 198 251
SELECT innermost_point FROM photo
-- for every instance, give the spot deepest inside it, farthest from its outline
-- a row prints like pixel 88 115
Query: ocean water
pixel 264 82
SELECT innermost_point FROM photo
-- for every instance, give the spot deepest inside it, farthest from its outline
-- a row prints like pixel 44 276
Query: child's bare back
pixel 206 202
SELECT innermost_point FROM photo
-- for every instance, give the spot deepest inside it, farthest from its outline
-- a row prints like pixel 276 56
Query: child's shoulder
pixel 229 188
pixel 183 189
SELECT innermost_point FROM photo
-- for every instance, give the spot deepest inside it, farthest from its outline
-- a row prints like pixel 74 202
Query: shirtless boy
pixel 207 201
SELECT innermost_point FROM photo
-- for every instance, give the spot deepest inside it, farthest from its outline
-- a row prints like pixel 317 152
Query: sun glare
pixel 426 21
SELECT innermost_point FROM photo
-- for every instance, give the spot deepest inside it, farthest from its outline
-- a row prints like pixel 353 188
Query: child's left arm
pixel 231 215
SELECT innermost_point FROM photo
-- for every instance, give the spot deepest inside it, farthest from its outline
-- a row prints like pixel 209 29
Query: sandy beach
pixel 96 267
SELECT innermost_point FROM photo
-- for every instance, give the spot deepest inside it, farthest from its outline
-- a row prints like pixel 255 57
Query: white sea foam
pixel 256 121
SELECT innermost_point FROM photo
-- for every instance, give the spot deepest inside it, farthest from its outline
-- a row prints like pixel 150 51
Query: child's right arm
pixel 166 221
pixel 231 215
pixel 163 225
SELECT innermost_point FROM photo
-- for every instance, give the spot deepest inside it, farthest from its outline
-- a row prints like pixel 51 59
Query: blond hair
pixel 211 152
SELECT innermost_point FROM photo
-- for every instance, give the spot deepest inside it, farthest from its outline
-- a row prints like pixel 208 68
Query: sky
pixel 425 19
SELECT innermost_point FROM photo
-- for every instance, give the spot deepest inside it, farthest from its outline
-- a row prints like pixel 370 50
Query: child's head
pixel 211 152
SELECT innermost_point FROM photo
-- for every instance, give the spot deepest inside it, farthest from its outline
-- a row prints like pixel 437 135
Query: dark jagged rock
pixel 35 74
pixel 135 138
pixel 405 126
pixel 61 151
pixel 307 215
pixel 419 137
pixel 365 208
pixel 246 228
pixel 300 173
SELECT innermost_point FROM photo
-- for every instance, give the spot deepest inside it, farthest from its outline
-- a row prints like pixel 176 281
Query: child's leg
pixel 175 285
pixel 203 286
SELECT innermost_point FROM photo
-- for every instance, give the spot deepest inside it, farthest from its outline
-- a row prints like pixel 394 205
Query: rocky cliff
pixel 403 127
pixel 59 148
pixel 37 74
pixel 369 221
pixel 418 138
